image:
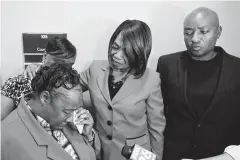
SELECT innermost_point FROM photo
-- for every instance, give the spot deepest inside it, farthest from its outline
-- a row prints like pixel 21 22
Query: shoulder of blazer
pixel 150 78
pixel 99 65
pixel 232 58
pixel 150 73
pixel 232 64
pixel 9 124
pixel 169 59
pixel 11 119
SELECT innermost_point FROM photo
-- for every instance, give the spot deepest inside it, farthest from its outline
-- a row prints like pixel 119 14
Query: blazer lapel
pixel 81 147
pixel 182 68
pixel 131 84
pixel 102 81
pixel 42 138
pixel 224 78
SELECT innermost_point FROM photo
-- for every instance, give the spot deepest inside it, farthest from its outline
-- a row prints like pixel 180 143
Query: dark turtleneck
pixel 202 81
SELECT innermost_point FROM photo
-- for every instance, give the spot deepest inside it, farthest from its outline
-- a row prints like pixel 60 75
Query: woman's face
pixel 61 110
pixel 118 59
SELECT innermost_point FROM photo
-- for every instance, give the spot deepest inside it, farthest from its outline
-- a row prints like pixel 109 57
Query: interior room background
pixel 89 26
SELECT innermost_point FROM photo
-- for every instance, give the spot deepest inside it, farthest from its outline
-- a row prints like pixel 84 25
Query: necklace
pixel 119 83
pixel 114 87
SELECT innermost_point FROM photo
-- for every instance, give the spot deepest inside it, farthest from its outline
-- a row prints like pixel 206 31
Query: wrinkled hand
pixel 85 118
pixel 30 71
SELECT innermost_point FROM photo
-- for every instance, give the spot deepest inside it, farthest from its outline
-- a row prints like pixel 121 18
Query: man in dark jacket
pixel 201 91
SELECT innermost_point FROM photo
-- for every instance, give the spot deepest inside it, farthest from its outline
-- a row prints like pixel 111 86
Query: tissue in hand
pixel 139 153
pixel 75 120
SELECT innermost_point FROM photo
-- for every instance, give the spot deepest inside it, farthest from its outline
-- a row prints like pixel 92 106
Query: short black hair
pixel 137 41
pixel 58 74
pixel 61 47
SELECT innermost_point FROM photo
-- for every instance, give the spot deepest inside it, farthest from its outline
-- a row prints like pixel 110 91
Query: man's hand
pixel 223 156
pixel 30 71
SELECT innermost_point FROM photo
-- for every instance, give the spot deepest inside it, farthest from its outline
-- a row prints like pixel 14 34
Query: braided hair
pixel 49 78
pixel 61 47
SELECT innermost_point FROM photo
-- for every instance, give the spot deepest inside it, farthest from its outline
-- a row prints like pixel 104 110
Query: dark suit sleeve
pixel 158 65
pixel 157 70
pixel 161 69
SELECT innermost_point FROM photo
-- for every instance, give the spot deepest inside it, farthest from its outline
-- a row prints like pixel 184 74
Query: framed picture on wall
pixel 34 45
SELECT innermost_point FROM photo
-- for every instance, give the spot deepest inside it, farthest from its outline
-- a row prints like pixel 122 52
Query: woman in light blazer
pixel 126 95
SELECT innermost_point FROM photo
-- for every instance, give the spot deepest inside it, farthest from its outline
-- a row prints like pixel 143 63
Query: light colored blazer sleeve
pixel 84 78
pixel 97 145
pixel 156 120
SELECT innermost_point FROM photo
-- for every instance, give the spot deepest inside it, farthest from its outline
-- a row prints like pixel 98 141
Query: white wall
pixel 89 26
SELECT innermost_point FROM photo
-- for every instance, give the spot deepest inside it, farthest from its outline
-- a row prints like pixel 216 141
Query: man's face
pixel 200 34
pixel 61 110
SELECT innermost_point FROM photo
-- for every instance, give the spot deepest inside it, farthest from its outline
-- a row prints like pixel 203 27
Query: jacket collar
pixel 131 84
pixel 41 137
pixel 225 75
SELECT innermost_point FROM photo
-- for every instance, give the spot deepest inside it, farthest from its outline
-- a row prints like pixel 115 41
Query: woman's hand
pixel 85 118
pixel 30 71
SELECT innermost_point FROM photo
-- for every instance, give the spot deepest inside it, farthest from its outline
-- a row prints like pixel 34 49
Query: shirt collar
pixel 42 122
